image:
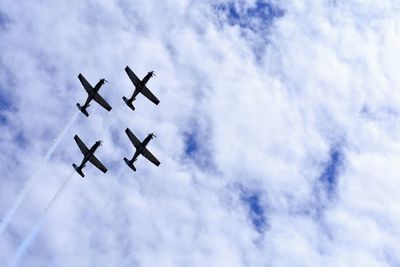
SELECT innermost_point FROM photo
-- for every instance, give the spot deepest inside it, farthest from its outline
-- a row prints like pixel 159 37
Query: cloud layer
pixel 277 132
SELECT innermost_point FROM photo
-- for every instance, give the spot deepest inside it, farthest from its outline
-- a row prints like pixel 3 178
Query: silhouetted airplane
pixel 140 87
pixel 93 93
pixel 88 155
pixel 140 149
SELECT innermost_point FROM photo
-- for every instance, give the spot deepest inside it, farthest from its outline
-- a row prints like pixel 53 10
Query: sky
pixel 277 131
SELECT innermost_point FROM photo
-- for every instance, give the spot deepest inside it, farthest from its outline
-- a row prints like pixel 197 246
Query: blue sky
pixel 257 211
pixel 329 176
pixel 243 14
pixel 278 133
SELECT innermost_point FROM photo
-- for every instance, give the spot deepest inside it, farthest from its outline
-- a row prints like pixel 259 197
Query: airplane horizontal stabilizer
pixel 128 103
pixel 130 164
pixel 78 170
pixel 83 110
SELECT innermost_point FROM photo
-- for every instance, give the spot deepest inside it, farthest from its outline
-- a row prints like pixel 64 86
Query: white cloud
pixel 265 119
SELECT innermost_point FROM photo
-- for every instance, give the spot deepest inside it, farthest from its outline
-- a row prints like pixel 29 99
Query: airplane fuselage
pixel 92 93
pixel 140 147
pixel 89 153
pixel 140 86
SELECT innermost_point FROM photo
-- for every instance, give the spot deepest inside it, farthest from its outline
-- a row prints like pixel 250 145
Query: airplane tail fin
pixel 130 164
pixel 78 170
pixel 129 103
pixel 83 110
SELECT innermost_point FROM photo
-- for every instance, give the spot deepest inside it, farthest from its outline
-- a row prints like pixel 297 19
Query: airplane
pixel 140 149
pixel 88 155
pixel 93 94
pixel 140 87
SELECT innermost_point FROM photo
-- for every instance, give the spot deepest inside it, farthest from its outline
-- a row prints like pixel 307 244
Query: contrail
pixel 58 192
pixel 25 244
pixel 120 171
pixel 20 197
pixel 19 254
pixel 102 197
pixel 32 235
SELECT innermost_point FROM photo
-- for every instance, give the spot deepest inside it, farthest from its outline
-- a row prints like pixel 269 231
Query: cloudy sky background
pixel 278 132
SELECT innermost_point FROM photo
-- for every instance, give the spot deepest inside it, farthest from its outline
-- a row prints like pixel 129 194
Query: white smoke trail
pixel 58 192
pixel 32 235
pixel 106 194
pixel 20 197
pixel 59 137
pixel 102 198
pixel 19 254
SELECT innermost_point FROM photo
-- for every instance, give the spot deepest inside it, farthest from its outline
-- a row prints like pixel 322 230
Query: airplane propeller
pixel 152 73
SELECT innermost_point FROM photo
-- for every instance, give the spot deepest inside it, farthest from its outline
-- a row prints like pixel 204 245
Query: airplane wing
pixel 135 80
pixel 102 102
pixel 147 93
pixel 147 154
pixel 81 145
pixel 136 142
pixel 85 83
pixel 97 163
